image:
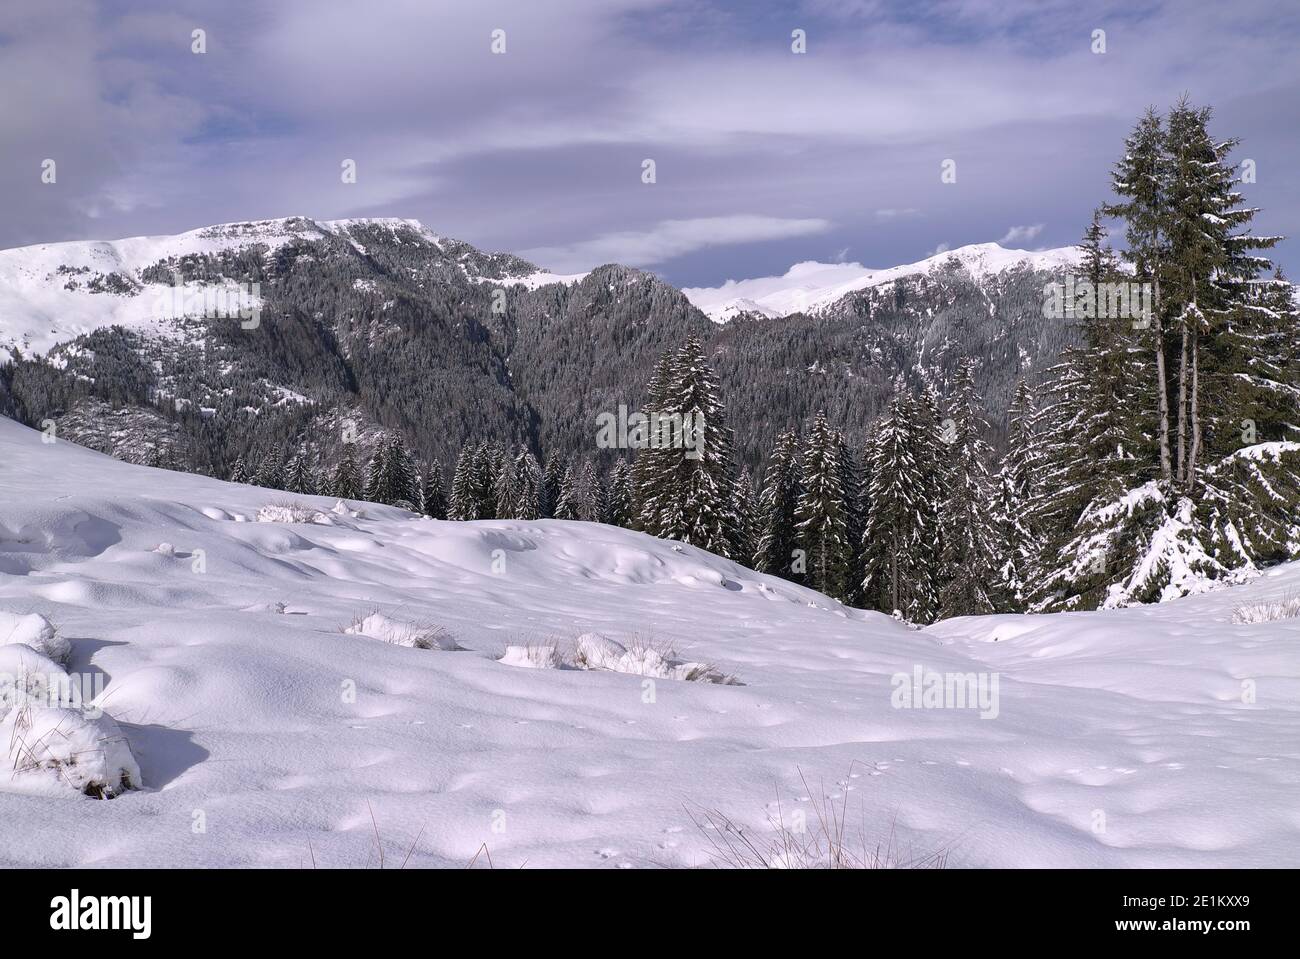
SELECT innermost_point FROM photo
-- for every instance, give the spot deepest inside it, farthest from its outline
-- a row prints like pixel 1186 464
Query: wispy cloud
pixel 669 239
pixel 527 150
pixel 1021 234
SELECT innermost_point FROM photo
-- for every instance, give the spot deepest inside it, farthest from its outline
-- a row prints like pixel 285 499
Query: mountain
pixel 251 339
pixel 813 287
pixel 259 669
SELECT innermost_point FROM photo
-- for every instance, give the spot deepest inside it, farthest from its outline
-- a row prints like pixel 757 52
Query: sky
pixel 763 157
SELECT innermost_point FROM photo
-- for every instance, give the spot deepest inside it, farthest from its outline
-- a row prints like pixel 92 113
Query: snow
pixel 811 287
pixel 533 281
pixel 60 747
pixel 35 631
pixel 37 311
pixel 399 633
pixel 1139 737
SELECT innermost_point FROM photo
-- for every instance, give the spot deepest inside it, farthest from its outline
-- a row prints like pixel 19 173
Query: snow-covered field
pixel 267 735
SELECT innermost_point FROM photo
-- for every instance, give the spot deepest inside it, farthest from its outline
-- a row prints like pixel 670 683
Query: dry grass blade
pixel 827 846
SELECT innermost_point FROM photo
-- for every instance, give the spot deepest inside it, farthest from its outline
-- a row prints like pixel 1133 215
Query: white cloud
pixel 1021 234
pixel 670 238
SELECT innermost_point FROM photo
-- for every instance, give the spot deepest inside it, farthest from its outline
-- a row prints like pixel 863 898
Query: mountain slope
pixel 265 736
pixel 256 339
pixel 812 287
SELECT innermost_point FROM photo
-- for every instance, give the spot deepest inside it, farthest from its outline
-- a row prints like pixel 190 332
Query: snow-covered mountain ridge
pixel 212 615
pixel 51 292
pixel 811 287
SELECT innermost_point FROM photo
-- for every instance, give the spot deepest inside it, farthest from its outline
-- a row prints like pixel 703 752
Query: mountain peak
pixel 810 286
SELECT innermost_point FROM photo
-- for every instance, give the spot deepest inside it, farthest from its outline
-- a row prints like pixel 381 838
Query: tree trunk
pixel 1196 418
pixel 893 578
pixel 1161 384
pixel 1181 465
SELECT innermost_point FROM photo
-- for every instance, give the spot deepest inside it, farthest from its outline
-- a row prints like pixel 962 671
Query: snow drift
pixel 1147 736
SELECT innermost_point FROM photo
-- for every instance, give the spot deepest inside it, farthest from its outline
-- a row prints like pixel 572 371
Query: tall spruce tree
pixel 567 505
pixel 551 481
pixel 433 501
pixel 688 492
pixel 972 551
pixel 527 487
pixel 619 506
pixel 345 483
pixel 902 525
pixel 1018 485
pixel 1139 179
pixel 505 489
pixel 775 551
pixel 655 462
pixel 271 473
pixel 590 494
pixel 746 505
pixel 462 504
pixel 822 511
pixel 297 476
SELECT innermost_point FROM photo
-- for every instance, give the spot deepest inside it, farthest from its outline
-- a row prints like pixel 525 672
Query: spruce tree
pixel 687 486
pixel 852 482
pixel 550 488
pixel 505 489
pixel 821 513
pixel 238 472
pixel 374 481
pixel 566 496
pixel 971 550
pixel 1139 179
pixel 433 502
pixel 746 520
pixel 1018 485
pixel 271 474
pixel 618 506
pixel 655 463
pixel 528 487
pixel 902 526
pixel 345 482
pixel 777 538
pixel 462 504
pixel 483 476
pixel 297 476
pixel 590 494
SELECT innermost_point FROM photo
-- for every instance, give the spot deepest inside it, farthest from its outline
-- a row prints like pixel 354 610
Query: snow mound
pixel 293 513
pixel 531 656
pixel 34 630
pixel 397 633
pixel 27 677
pixel 594 651
pixel 88 753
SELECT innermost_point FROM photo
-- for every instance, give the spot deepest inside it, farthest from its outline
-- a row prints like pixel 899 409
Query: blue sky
pixel 763 157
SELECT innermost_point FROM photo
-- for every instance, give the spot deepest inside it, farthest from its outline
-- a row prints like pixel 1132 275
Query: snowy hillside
pixel 52 292
pixel 213 616
pixel 811 286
